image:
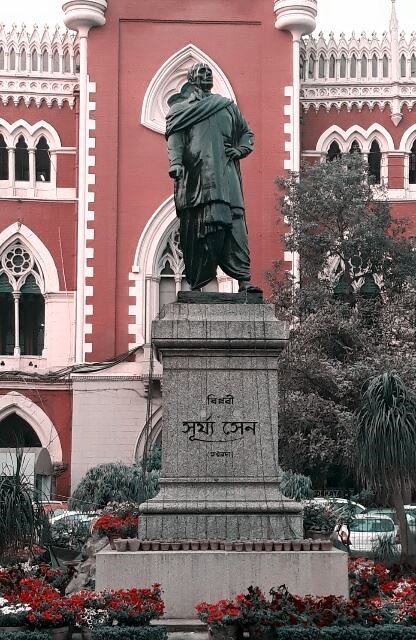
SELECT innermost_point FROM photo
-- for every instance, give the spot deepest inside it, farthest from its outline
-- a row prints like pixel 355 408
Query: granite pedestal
pixel 220 425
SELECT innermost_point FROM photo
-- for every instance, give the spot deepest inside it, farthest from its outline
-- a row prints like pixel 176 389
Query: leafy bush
pixel 385 632
pixel 24 635
pixel 296 486
pixel 319 517
pixel 113 482
pixel 71 534
pixel 129 633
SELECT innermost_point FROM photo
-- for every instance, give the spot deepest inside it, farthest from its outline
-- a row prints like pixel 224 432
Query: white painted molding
pixel 32 133
pixel 407 139
pixel 363 136
pixel 15 402
pixel 157 228
pixel 169 79
pixel 18 231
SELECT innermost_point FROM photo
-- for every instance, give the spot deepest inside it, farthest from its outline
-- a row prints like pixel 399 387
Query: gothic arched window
pixel 385 66
pixel 321 69
pixel 374 66
pixel 67 63
pixel 332 66
pixel 413 66
pixel 353 67
pixel 23 60
pixel 45 61
pixel 4 159
pixel 42 161
pixel 311 67
pixel 364 65
pixel 55 62
pixel 343 67
pixel 34 60
pixel 334 151
pixel 21 161
pixel 12 60
pixel 22 305
pixel 374 162
pixel 1 58
pixel 403 66
pixel 412 164
pixel 355 147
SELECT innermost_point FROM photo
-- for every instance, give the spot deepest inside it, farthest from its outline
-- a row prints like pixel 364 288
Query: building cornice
pixel 357 95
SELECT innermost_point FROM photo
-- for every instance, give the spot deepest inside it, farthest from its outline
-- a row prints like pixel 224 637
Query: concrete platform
pixel 189 577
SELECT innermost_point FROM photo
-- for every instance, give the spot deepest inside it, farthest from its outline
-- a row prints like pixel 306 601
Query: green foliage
pixel 340 338
pixel 319 517
pixel 130 633
pixel 381 632
pixel 71 534
pixel 24 635
pixel 385 550
pixel 113 482
pixel 21 518
pixel 296 486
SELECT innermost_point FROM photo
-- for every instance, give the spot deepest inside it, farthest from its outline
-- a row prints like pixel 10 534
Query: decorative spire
pixel 394 23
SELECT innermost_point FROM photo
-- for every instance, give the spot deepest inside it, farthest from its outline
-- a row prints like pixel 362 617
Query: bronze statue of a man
pixel 207 136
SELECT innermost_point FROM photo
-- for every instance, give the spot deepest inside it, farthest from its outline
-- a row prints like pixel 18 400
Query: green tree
pixel 354 311
pixel 386 444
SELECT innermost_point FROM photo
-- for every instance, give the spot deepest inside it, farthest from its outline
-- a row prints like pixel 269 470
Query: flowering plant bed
pixel 13 615
pixel 112 526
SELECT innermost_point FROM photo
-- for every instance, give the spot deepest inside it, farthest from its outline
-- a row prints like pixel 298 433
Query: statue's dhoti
pixel 214 235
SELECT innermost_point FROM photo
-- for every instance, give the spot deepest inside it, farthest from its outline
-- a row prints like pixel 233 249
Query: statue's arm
pixel 176 145
pixel 244 135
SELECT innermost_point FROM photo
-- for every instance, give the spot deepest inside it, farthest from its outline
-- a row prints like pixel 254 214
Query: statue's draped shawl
pixel 186 114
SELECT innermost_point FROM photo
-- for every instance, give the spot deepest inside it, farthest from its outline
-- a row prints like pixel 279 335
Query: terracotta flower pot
pixel 175 546
pixel 268 545
pixel 296 545
pixel 133 544
pixel 12 629
pixel 155 545
pixel 111 542
pixel 165 546
pixel 228 545
pixel 258 546
pixel 145 545
pixel 287 545
pixel 326 545
pixel 248 545
pixel 204 545
pixel 86 633
pixel 239 546
pixel 278 546
pixel 186 545
pixel 315 545
pixel 306 545
pixel 194 545
pixel 214 545
pixel 121 544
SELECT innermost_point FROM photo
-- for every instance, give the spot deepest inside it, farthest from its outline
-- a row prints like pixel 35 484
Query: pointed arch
pixel 41 424
pixel 169 79
pixel 39 250
pixel 364 136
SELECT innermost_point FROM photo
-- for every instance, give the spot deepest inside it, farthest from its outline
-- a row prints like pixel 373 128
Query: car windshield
pixel 373 525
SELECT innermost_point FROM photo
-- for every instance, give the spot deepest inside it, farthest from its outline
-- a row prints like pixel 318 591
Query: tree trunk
pixel 407 539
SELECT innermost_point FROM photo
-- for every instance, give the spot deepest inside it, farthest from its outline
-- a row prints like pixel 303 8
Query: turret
pixel 296 16
pixel 81 15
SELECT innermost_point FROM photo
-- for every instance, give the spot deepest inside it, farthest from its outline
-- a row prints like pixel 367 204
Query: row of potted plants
pixel 33 603
pixel 134 544
pixel 380 596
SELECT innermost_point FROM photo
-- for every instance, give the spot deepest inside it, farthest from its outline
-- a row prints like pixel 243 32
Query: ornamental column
pixel 297 17
pixel 81 16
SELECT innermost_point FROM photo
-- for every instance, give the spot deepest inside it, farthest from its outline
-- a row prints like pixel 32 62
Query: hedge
pixel 380 632
pixel 24 635
pixel 129 633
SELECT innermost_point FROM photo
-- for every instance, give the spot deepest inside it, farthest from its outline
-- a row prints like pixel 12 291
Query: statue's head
pixel 200 75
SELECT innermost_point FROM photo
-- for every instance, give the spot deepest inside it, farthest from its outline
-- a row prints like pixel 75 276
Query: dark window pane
pixel 374 162
pixel 6 317
pixel 31 318
pixel 42 161
pixel 334 151
pixel 412 164
pixel 21 161
pixel 4 160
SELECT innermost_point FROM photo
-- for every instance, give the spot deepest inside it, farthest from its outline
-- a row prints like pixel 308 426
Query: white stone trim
pixel 363 136
pixel 150 436
pixel 169 79
pixel 407 139
pixel 15 402
pixel 18 231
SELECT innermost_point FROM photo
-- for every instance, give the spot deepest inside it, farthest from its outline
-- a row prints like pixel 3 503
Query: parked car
pixel 365 531
pixel 73 517
pixel 54 508
pixel 388 511
pixel 341 505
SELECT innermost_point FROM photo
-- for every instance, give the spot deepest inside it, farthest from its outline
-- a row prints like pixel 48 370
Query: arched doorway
pixel 16 432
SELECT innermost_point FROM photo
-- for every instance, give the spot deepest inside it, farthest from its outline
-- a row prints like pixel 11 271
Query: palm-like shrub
pixel 386 446
pixel 296 486
pixel 21 517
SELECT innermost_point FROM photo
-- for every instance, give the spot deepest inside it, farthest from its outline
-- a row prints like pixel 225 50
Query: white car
pixel 340 505
pixel 366 531
pixel 73 517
